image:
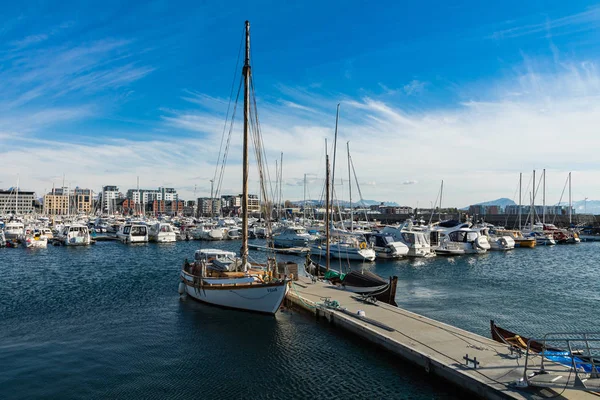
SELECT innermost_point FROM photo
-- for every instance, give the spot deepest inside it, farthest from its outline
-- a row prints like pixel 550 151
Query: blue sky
pixel 472 93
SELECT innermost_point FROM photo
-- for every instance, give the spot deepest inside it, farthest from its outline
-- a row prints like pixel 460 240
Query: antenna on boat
pixel 544 199
pixel 246 73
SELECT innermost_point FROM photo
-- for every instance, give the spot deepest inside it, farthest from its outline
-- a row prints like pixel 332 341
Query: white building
pixel 14 201
pixel 108 199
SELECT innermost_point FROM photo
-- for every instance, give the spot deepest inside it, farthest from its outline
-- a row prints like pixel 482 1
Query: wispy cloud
pixel 478 146
pixel 585 20
pixel 414 87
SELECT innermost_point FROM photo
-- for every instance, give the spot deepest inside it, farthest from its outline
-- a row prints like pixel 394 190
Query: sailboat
pixel 233 282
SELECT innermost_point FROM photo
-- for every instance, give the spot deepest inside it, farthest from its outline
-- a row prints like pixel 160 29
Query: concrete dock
pixel 436 347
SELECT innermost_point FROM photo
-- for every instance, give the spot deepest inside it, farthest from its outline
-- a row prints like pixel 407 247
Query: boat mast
pixel 441 196
pixel 281 184
pixel 337 115
pixel 327 210
pixel 304 203
pixel 520 186
pixel 533 202
pixel 544 198
pixel 246 73
pixel 570 216
pixel 350 190
pixel 17 198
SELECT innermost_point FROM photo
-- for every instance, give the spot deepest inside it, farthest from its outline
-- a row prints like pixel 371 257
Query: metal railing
pixel 564 360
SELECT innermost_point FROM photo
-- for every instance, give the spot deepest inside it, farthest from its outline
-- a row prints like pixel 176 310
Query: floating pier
pixel 476 364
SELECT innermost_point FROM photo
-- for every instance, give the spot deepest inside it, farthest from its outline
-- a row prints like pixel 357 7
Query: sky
pixel 471 93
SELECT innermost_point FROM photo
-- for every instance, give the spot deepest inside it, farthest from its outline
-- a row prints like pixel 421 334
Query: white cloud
pixel 414 87
pixel 477 147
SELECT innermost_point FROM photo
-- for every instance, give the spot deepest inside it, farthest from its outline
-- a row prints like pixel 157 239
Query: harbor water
pixel 105 321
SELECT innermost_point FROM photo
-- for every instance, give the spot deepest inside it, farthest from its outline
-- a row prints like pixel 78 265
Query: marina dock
pixel 440 349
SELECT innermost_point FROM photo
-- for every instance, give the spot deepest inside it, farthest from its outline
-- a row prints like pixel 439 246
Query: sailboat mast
pixel 570 204
pixel 327 212
pixel 246 73
pixel 337 115
pixel 533 202
pixel 304 203
pixel 520 197
pixel 350 190
pixel 441 197
pixel 17 197
pixel 544 198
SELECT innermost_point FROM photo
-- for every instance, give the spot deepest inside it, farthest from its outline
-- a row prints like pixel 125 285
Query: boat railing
pixel 564 360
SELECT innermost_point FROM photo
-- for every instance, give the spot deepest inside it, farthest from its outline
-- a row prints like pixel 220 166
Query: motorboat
pixel 542 238
pixel 385 246
pixel 133 233
pixel 517 236
pixel 416 240
pixel 293 236
pixel 74 235
pixel 35 239
pixel 348 248
pixel 162 232
pixel 14 230
pixel 497 242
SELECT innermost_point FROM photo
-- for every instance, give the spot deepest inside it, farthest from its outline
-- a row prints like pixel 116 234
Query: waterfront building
pixel 108 199
pixel 539 210
pixel 232 205
pixel 56 203
pixel 208 206
pixel 16 201
pixel 82 200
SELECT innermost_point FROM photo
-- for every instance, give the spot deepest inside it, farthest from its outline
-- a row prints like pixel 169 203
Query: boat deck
pixel 298 251
pixel 438 348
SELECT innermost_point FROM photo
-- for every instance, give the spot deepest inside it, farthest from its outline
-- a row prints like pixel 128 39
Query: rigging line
pixel 260 141
pixel 358 187
pixel 560 200
pixel 235 73
pixel 226 152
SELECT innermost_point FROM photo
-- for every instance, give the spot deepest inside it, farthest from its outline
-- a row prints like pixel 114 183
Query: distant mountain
pixel 502 202
pixel 366 203
pixel 586 206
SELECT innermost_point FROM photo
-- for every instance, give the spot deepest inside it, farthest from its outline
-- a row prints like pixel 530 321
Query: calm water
pixel 106 322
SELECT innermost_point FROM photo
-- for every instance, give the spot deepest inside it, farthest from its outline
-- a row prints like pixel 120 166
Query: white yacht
pixel 386 247
pixel 74 235
pixel 35 239
pixel 416 241
pixel 454 238
pixel 162 233
pixel 348 248
pixel 497 242
pixel 14 230
pixel 293 236
pixel 133 233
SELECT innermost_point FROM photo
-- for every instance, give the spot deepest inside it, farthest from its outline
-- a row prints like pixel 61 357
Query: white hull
pixel 349 253
pixel 263 298
pixel 75 241
pixel 40 243
pixel 132 239
pixel 164 237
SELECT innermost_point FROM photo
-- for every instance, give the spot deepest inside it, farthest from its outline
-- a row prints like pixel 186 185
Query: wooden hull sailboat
pixel 222 279
pixel 244 293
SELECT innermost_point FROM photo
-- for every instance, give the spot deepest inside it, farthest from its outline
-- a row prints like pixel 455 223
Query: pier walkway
pixel 436 347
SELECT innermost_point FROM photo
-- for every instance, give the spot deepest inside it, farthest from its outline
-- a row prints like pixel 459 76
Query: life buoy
pixel 362 245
